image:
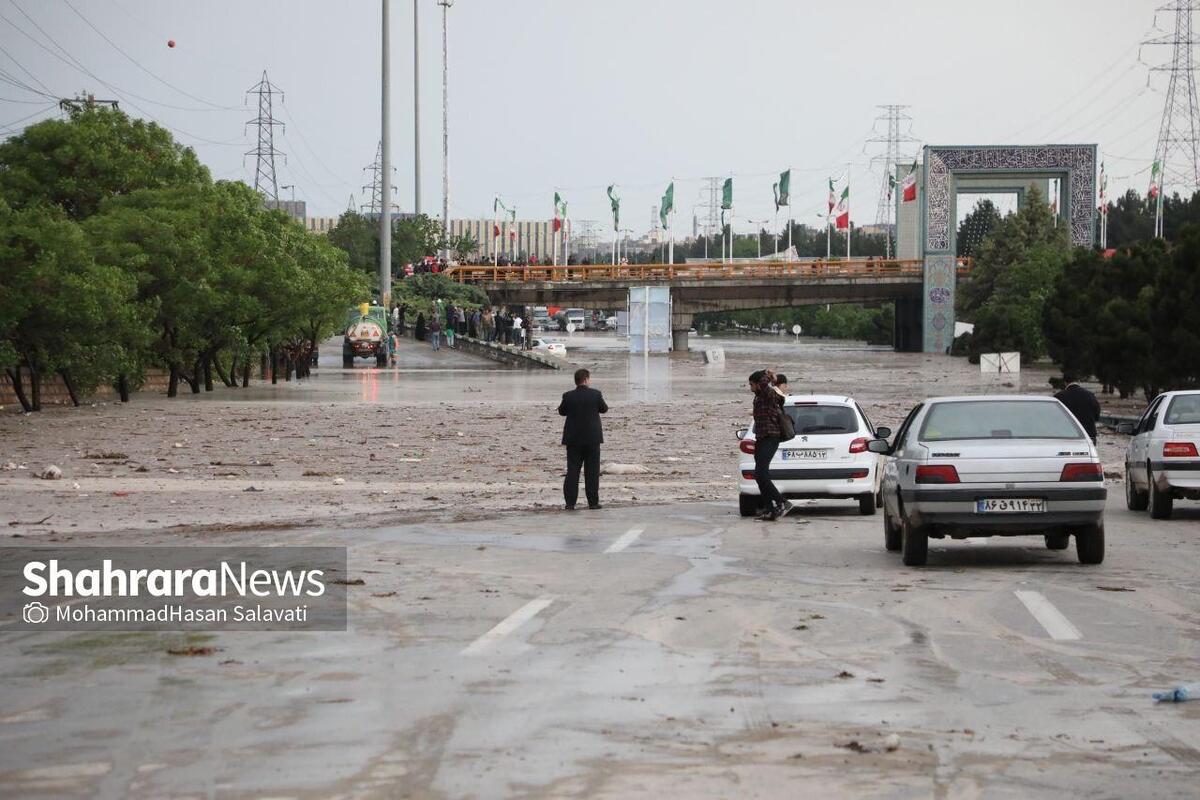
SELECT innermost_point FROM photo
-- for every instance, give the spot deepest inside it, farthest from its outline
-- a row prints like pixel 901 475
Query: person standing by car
pixel 1083 405
pixel 768 432
pixel 781 383
pixel 582 435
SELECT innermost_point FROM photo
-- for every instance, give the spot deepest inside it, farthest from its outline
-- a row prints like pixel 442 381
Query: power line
pixel 32 77
pixel 137 64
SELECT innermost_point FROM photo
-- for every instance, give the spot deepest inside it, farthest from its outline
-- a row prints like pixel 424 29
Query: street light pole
pixel 416 109
pixel 385 181
pixel 445 4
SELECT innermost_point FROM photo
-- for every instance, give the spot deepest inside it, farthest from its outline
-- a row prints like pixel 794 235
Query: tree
pixel 60 312
pixel 1174 314
pixel 976 227
pixel 98 153
pixel 464 247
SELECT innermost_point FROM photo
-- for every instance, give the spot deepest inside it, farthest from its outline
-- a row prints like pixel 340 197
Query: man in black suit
pixel 582 435
pixel 1083 405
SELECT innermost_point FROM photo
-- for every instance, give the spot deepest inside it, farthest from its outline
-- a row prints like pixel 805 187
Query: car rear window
pixel 822 419
pixel 1184 410
pixel 998 419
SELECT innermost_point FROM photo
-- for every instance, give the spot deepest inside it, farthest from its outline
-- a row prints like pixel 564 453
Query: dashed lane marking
pixel 508 625
pixel 1049 617
pixel 625 540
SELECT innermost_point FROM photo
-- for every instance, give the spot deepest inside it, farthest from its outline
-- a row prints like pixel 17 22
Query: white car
pixel 553 348
pixel 1162 462
pixel 828 458
pixel 992 466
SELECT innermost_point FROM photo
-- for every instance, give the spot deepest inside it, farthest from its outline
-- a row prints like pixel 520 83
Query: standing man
pixel 583 436
pixel 1083 405
pixel 768 409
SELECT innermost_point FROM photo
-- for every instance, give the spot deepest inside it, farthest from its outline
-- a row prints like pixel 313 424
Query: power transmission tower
pixel 264 154
pixel 352 206
pixel 374 188
pixel 894 116
pixel 1178 148
pixel 83 100
pixel 707 211
pixel 445 4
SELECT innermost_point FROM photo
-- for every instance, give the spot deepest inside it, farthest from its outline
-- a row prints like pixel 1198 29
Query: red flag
pixel 557 224
pixel 495 231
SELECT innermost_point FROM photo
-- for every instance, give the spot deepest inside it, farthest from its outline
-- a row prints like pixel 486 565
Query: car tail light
pixel 860 473
pixel 1179 450
pixel 859 445
pixel 747 446
pixel 1082 472
pixel 937 473
pixel 748 474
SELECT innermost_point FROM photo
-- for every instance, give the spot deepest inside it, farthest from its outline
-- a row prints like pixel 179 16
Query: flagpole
pixel 791 219
pixel 495 226
pixel 847 212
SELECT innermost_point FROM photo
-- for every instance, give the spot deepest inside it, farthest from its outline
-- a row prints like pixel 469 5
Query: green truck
pixel 367 335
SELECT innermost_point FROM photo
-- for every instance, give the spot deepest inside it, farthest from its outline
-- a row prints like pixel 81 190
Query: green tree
pixel 463 247
pixel 976 227
pixel 97 153
pixel 1174 314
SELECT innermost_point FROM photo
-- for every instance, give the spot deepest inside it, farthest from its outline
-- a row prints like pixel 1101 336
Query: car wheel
pixel 1160 502
pixel 891 534
pixel 1058 541
pixel 879 499
pixel 1089 544
pixel 347 362
pixel 1134 500
pixel 749 504
pixel 381 359
pixel 866 504
pixel 914 544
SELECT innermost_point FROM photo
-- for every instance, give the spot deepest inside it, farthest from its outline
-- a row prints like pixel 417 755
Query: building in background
pixel 520 239
pixel 320 225
pixel 297 209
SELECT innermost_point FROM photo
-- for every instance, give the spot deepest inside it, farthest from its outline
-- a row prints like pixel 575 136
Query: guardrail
pixel 581 273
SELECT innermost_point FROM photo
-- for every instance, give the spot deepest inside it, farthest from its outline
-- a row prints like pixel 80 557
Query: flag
pixel 495 230
pixel 891 186
pixel 667 205
pixel 842 213
pixel 727 194
pixel 560 211
pixel 1103 190
pixel 783 193
pixel 775 192
pixel 832 197
pixel 1155 180
pixel 615 202
pixel 908 189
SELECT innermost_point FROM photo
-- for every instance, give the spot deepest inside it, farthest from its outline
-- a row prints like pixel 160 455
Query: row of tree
pixel 121 254
pixel 1131 319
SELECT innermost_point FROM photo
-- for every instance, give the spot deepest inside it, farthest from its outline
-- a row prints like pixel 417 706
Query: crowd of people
pixel 442 320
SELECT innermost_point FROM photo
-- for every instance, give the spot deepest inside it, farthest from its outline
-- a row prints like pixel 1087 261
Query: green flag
pixel 615 202
pixel 668 204
pixel 499 204
pixel 785 189
pixel 727 194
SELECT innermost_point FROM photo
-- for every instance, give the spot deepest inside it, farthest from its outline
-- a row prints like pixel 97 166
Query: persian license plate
pixel 804 454
pixel 1011 505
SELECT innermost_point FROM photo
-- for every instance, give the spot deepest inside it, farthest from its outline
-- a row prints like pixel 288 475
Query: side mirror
pixel 741 434
pixel 1126 428
pixel 879 446
pixel 883 433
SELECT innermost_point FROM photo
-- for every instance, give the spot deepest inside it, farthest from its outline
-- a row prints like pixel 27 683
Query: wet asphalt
pixel 630 652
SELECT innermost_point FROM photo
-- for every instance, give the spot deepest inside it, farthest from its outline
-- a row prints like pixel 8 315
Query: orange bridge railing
pixel 582 273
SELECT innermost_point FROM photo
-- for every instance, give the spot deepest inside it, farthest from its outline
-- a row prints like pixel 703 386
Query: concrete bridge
pixel 733 286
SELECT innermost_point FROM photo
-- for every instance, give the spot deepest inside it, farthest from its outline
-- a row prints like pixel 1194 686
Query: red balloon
pixel 170 42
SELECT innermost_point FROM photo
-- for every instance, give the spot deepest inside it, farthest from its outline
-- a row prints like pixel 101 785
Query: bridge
pixel 712 286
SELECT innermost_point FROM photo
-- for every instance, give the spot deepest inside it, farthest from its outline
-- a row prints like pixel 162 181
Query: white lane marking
pixel 508 625
pixel 1050 618
pixel 625 540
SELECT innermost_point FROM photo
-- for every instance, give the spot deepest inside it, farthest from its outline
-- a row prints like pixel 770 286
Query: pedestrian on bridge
pixel 582 435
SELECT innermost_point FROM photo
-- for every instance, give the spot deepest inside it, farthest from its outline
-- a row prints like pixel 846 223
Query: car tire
pixel 879 499
pixel 749 504
pixel 347 362
pixel 381 359
pixel 1089 544
pixel 914 544
pixel 891 534
pixel 1058 541
pixel 1160 503
pixel 866 504
pixel 1134 499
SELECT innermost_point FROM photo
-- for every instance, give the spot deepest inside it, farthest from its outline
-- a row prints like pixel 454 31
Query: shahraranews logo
pixel 49 579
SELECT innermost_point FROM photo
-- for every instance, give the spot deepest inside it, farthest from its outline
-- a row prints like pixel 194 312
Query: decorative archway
pixel 949 170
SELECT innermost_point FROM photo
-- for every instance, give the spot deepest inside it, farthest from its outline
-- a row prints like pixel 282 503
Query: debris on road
pixel 192 650
pixel 338 481
pixel 612 468
pixel 892 743
pixel 50 473
pixel 1180 694
pixel 1115 589
pixel 854 745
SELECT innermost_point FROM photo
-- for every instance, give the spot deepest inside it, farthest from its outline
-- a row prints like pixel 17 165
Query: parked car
pixel 827 459
pixel 992 466
pixel 553 348
pixel 1162 462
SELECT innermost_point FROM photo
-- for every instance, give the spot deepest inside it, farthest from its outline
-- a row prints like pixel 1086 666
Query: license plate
pixel 796 454
pixel 1010 505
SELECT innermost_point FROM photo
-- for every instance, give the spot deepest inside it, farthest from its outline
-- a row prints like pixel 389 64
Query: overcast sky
pixel 576 94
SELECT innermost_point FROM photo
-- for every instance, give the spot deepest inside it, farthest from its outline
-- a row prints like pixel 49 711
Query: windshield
pixel 998 419
pixel 1184 410
pixel 822 419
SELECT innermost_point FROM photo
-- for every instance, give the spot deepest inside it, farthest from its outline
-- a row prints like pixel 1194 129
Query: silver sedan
pixel 992 466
